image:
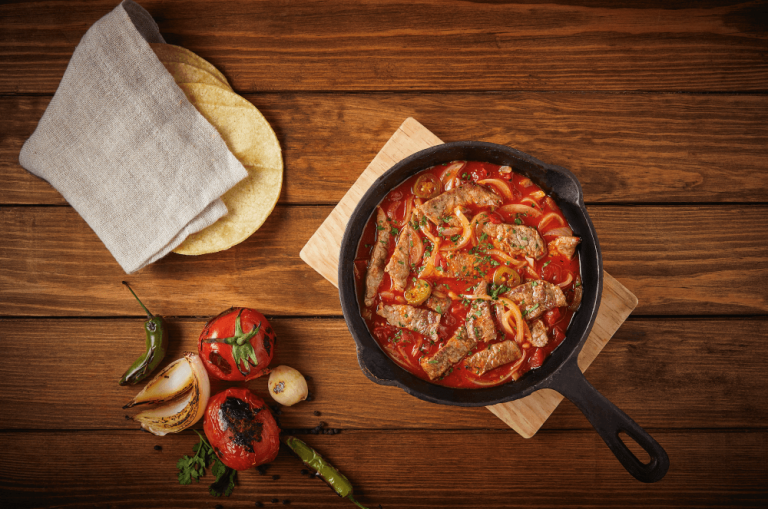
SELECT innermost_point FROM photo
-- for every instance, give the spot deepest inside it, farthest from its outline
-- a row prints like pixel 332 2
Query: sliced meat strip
pixel 564 245
pixel 537 297
pixel 539 334
pixel 578 289
pixel 494 356
pixel 440 209
pixel 375 272
pixel 515 239
pixel 399 265
pixel 465 266
pixel 479 322
pixel 418 320
pixel 452 352
pixel 438 304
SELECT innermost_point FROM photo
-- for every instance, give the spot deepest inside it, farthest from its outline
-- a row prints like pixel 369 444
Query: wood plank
pixel 52 264
pixel 668 374
pixel 557 469
pixel 390 45
pixel 623 148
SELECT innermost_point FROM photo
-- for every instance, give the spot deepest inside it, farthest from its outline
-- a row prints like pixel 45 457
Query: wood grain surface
pixel 664 373
pixel 668 256
pixel 423 45
pixel 133 474
pixel 638 148
pixel 659 107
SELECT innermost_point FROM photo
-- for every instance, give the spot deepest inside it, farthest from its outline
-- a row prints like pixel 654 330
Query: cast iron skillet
pixel 560 371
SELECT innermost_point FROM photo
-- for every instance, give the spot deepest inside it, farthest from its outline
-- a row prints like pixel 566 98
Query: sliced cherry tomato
pixel 557 335
pixel 241 429
pixel 495 219
pixel 427 186
pixel 551 272
pixel 537 359
pixel 393 210
pixel 237 345
pixel 418 292
pixel 552 316
pixel 506 276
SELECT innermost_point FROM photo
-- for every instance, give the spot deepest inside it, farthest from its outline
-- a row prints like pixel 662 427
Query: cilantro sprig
pixel 194 468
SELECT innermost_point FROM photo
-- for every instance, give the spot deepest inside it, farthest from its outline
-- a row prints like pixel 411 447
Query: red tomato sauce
pixel 407 347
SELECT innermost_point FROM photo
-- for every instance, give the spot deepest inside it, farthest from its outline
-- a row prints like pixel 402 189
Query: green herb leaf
pixel 194 468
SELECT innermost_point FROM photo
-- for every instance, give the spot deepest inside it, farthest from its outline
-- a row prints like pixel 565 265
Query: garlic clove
pixel 287 386
pixel 171 382
pixel 182 412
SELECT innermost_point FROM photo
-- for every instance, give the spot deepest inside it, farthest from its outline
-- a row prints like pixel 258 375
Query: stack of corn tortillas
pixel 247 134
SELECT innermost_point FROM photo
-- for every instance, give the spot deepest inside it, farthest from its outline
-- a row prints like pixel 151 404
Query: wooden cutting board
pixel 321 252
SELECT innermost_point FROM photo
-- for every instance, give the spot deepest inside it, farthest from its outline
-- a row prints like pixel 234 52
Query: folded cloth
pixel 124 146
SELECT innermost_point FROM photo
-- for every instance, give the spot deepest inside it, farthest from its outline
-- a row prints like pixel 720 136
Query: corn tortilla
pixel 250 138
pixel 171 53
pixel 185 73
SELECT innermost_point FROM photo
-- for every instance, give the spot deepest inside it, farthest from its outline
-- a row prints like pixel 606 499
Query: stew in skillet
pixel 468 274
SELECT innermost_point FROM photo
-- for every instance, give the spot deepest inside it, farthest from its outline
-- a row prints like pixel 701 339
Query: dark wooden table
pixel 661 110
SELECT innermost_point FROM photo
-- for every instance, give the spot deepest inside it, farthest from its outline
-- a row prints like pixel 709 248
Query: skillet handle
pixel 609 421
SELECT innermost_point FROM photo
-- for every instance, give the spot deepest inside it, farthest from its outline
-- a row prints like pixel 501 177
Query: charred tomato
pixel 237 345
pixel 241 429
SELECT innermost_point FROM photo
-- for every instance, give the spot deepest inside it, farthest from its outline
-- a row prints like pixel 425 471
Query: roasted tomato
pixel 241 429
pixel 237 345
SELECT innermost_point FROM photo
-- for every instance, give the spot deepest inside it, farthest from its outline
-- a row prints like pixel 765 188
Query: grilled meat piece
pixel 452 352
pixel 564 245
pixel 440 209
pixel 537 297
pixel 465 266
pixel 515 239
pixel 399 265
pixel 439 304
pixel 494 356
pixel 539 334
pixel 408 317
pixel 375 272
pixel 479 322
pixel 578 290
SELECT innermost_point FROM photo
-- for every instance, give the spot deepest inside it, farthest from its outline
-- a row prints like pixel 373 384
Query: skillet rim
pixel 558 182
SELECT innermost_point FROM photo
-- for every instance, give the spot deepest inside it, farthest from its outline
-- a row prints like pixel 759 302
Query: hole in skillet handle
pixel 610 423
pixel 635 448
pixel 558 182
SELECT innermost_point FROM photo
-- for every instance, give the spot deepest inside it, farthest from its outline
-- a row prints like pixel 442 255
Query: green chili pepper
pixel 156 345
pixel 333 477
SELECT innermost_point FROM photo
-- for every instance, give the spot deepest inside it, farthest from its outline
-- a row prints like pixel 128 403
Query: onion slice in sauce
pixel 449 175
pixel 500 185
pixel 504 256
pixel 519 322
pixel 567 281
pixel 559 232
pixel 519 208
pixel 475 223
pixel 431 263
pixel 549 217
pixel 466 236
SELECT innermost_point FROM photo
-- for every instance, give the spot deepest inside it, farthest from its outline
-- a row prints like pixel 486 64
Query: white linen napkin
pixel 124 146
